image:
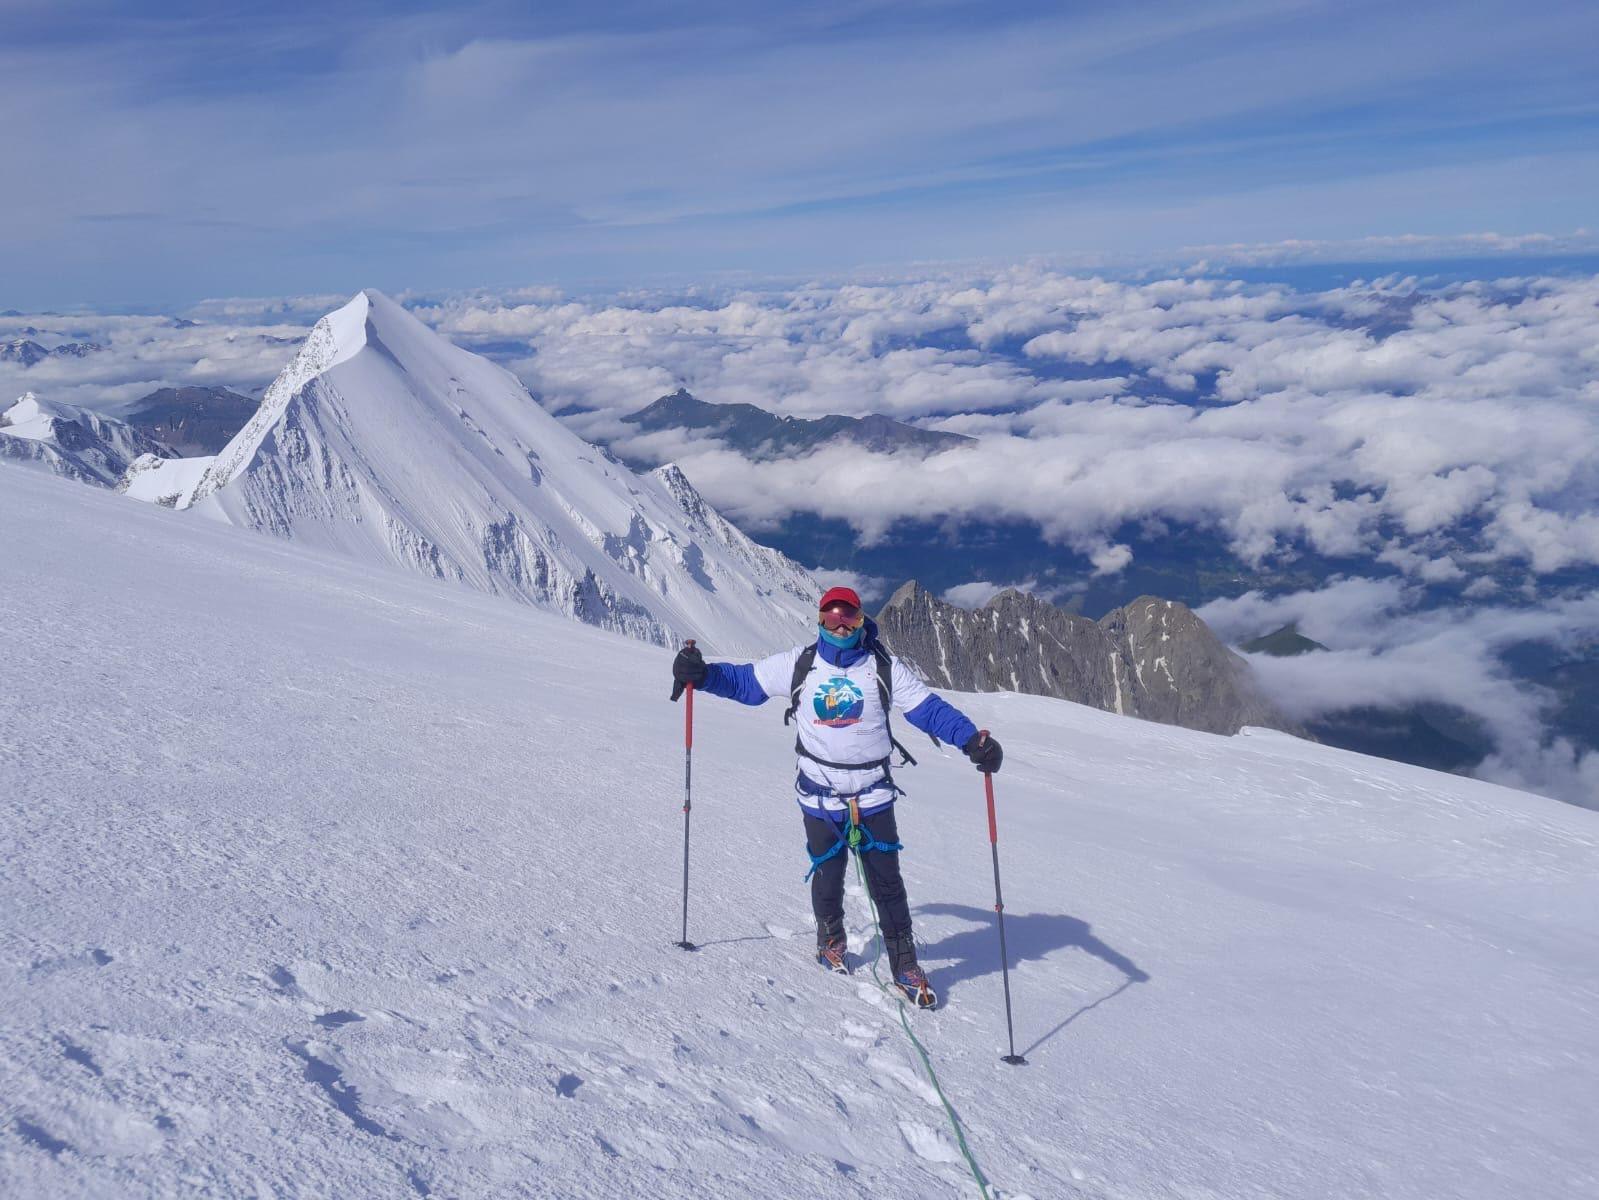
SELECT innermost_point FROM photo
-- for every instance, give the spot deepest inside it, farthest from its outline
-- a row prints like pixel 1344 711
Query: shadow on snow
pixel 974 952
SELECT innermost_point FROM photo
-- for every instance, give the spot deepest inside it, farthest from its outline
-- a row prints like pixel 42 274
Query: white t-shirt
pixel 841 718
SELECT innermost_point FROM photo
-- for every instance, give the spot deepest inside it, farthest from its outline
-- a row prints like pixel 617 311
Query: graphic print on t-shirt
pixel 839 702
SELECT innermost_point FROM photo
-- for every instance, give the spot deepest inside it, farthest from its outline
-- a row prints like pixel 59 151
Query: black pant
pixel 882 873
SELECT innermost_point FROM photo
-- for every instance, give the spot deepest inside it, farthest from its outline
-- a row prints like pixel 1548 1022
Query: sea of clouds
pixel 1444 435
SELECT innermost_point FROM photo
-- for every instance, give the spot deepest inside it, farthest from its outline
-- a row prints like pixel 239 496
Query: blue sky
pixel 159 153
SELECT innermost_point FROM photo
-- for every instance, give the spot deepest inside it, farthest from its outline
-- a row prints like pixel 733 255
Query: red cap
pixel 833 595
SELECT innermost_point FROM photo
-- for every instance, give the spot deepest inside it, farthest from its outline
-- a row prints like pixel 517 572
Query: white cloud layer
pixel 1445 433
pixel 1439 430
pixel 1386 651
pixel 142 353
pixel 1436 431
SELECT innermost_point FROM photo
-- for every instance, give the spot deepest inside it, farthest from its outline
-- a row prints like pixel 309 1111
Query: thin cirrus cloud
pixel 175 151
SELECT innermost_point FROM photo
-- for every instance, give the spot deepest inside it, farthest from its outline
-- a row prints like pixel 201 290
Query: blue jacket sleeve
pixel 943 720
pixel 735 681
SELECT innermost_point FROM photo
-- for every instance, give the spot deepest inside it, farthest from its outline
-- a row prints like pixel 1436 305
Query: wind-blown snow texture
pixel 384 441
pixel 326 880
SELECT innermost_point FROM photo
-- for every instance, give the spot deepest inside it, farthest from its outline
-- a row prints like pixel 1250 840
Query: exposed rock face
pixel 29 353
pixel 193 420
pixel 23 351
pixel 1152 658
pixel 758 434
pixel 1286 642
pixel 72 442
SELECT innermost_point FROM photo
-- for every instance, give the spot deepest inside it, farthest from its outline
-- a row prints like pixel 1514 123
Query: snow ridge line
pixel 927 1061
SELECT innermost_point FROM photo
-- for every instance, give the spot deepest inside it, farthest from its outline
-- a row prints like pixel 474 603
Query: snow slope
pixel 383 441
pixel 320 880
pixel 168 481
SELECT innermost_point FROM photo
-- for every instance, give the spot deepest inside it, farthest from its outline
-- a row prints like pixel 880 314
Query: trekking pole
pixel 1014 1059
pixel 688 795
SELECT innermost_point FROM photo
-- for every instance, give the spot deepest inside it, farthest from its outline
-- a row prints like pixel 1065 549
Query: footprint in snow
pixel 857 1036
pixel 873 995
pixel 284 981
pixel 37 1135
pixel 929 1144
pixel 73 1052
pixel 49 966
pixel 332 1020
pixel 884 1065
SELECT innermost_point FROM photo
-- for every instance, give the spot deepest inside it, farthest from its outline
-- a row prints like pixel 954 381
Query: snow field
pixel 326 880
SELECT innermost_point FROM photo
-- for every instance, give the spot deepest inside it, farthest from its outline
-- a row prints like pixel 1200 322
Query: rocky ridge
pixel 73 442
pixel 1151 658
pixel 759 434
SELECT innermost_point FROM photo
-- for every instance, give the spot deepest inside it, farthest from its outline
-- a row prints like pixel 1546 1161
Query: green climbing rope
pixel 927 1062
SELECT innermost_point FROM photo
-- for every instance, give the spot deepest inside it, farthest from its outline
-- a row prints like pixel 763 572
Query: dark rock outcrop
pixel 758 434
pixel 28 353
pixel 1286 642
pixel 1152 658
pixel 196 420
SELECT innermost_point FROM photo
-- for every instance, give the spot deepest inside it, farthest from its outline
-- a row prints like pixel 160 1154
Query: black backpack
pixel 885 693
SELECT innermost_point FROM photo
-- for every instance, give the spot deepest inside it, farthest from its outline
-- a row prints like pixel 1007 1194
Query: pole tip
pixel 685 945
pixel 1015 1060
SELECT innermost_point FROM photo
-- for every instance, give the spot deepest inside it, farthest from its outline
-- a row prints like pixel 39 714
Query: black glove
pixel 688 667
pixel 983 749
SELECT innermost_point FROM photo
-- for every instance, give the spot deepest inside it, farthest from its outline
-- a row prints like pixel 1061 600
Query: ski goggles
pixel 839 617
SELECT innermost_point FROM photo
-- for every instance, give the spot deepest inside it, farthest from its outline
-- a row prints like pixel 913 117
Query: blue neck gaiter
pixel 843 640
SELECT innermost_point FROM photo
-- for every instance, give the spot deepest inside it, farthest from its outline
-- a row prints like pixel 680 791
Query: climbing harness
pixel 851 835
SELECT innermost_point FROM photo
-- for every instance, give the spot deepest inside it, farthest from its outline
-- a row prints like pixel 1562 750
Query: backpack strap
pixel 885 692
pixel 802 668
pixel 885 695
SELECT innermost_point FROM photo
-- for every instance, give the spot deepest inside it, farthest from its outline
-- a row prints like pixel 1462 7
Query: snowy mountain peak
pixel 29 409
pixel 347 327
pixel 383 440
pixel 671 477
pixel 336 338
pixel 71 441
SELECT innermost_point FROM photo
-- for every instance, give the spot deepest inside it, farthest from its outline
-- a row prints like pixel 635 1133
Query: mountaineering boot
pixel 831 946
pixel 909 977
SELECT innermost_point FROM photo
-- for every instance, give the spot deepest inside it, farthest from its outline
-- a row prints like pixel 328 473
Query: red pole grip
pixel 988 790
